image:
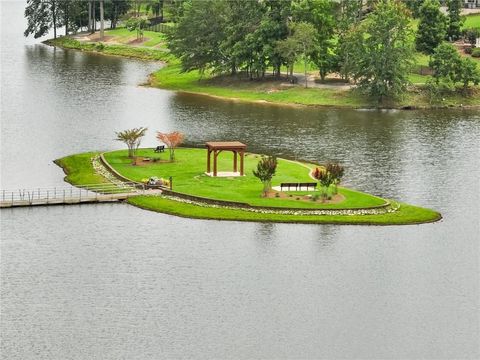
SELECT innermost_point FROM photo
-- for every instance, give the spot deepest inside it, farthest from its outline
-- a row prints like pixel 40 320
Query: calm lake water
pixel 116 282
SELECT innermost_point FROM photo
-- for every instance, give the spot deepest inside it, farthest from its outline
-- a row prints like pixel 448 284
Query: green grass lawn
pixel 122 35
pixel 172 78
pixel 138 52
pixel 189 178
pixel 79 170
pixel 472 21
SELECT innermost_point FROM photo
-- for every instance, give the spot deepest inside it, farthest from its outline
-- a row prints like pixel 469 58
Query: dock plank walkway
pixel 95 193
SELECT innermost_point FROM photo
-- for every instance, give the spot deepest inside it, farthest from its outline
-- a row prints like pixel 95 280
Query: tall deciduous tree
pixel 289 49
pixel 320 14
pixel 450 68
pixel 304 35
pixel 274 27
pixel 198 36
pixel 384 54
pixel 102 20
pixel 243 18
pixel 455 20
pixel 137 24
pixel 349 13
pixel 414 6
pixel 172 140
pixel 132 138
pixel 41 15
pixel 431 28
pixel 348 51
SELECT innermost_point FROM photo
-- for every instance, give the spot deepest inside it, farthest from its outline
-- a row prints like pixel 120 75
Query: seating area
pixel 298 186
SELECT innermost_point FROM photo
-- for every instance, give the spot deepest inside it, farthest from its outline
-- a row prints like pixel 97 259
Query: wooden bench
pixel 298 186
pixel 160 148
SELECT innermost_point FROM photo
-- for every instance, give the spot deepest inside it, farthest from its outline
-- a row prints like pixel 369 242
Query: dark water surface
pixel 117 282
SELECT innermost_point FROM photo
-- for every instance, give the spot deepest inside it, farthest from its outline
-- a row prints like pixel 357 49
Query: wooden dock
pixel 69 195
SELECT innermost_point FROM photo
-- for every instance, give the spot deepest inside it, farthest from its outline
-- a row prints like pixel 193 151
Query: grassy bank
pixel 406 215
pixel 79 171
pixel 129 51
pixel 278 92
pixel 172 78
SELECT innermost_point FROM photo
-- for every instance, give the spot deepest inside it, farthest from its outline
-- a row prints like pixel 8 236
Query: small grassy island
pixel 195 194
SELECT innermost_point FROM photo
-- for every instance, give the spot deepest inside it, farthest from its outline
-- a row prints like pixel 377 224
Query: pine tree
pixel 383 51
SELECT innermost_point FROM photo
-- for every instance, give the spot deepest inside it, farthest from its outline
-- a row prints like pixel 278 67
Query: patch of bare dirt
pixel 138 41
pixel 145 161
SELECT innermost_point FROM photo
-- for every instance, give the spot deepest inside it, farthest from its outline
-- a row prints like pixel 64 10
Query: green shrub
pixel 99 47
pixel 471 35
pixel 468 50
pixel 476 53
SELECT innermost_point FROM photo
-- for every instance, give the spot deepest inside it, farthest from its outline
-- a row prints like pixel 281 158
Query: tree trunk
pixel 54 19
pixel 113 24
pixel 102 21
pixel 305 67
pixel 66 18
pixel 90 27
pixel 94 17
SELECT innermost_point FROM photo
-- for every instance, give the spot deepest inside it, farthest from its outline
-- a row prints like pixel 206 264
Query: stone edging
pixel 290 211
pixel 114 172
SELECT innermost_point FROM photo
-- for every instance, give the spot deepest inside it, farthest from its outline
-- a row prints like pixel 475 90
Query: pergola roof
pixel 225 145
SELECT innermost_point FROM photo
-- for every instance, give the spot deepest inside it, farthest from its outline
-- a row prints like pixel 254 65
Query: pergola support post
pixel 208 161
pixel 235 161
pixel 242 170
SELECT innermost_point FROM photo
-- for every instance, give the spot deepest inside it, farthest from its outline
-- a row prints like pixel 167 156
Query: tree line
pixel 45 15
pixel 371 42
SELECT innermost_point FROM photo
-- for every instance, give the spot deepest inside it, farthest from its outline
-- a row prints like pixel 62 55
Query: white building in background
pixel 472 4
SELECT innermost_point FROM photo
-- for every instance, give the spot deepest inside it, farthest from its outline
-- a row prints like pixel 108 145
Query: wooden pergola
pixel 217 147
